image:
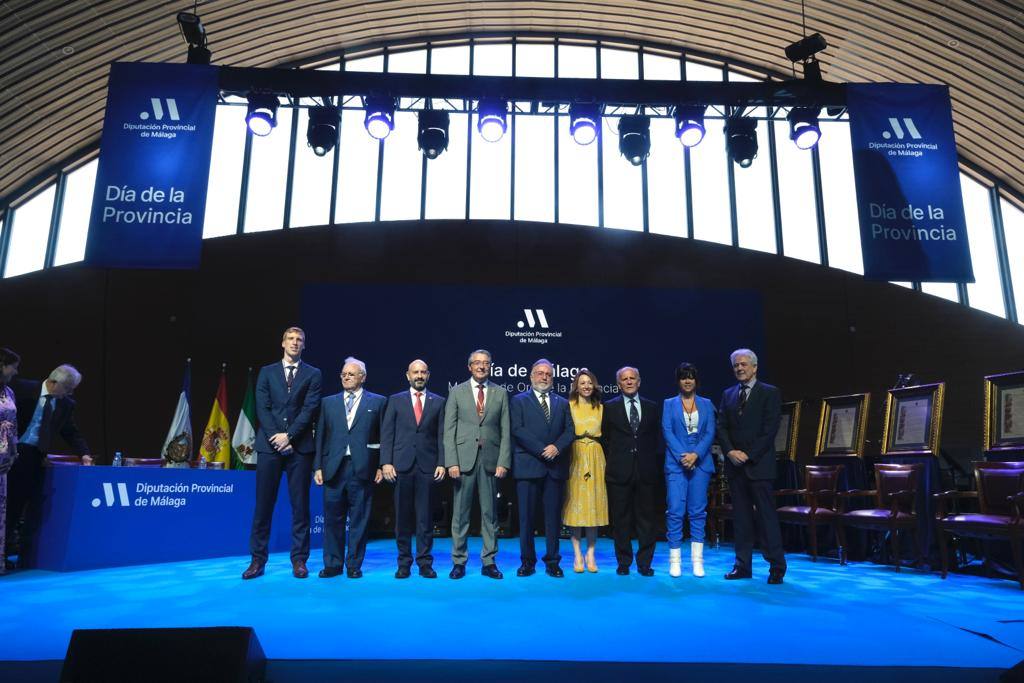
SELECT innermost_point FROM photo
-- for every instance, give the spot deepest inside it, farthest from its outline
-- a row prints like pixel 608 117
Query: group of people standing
pixel 585 462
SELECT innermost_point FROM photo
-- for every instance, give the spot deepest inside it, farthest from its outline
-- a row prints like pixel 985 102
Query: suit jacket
pixel 753 432
pixel 333 436
pixel 405 444
pixel 532 433
pixel 623 451
pixel 468 437
pixel 278 410
pixel 678 440
pixel 62 420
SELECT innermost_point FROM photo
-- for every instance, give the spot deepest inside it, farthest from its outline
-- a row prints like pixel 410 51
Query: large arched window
pixel 798 204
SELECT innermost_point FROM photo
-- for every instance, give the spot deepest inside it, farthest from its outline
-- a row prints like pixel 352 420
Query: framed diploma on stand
pixel 842 425
pixel 1004 414
pixel 913 420
pixel 789 427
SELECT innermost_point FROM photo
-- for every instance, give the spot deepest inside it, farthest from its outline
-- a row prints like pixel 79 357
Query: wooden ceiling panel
pixel 55 54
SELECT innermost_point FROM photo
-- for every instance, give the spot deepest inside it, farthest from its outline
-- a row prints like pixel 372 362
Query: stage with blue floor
pixel 825 614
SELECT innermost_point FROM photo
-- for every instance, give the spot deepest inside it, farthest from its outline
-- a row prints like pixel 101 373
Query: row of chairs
pixel 999 493
pixel 60 460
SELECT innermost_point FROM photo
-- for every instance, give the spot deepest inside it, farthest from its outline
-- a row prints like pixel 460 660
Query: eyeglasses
pixel 481 364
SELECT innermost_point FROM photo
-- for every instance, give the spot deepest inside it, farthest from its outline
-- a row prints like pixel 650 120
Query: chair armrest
pixel 897 496
pixel 941 498
pixel 854 493
pixel 1017 500
pixel 789 492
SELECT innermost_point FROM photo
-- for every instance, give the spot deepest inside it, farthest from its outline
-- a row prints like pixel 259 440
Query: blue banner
pixel 150 198
pixel 908 184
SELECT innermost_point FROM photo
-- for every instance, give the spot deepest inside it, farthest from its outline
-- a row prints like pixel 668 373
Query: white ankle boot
pixel 675 562
pixel 697 555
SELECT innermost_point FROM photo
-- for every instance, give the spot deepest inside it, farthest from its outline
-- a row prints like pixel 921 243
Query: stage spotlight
pixel 433 132
pixel 635 138
pixel 805 48
pixel 690 125
pixel 261 116
pixel 380 116
pixel 804 130
pixel 584 121
pixel 195 36
pixel 492 119
pixel 322 131
pixel 741 140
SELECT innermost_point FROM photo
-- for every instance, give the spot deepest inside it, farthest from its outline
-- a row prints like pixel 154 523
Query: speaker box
pixel 224 653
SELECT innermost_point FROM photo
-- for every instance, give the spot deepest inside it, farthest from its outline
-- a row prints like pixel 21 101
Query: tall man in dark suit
pixel 412 458
pixel 45 409
pixel 347 455
pixel 287 400
pixel 748 419
pixel 543 431
pixel 634 452
pixel 477 450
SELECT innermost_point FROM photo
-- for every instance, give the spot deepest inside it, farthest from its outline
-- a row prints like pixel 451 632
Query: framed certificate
pixel 1004 413
pixel 913 420
pixel 842 425
pixel 789 427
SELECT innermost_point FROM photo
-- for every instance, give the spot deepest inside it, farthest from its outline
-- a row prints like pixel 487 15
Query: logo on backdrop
pixel 534 328
pixel 158 109
pixel 908 122
pixel 156 495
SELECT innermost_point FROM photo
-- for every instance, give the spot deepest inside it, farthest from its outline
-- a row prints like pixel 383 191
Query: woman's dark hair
pixel 687 371
pixel 574 392
pixel 8 357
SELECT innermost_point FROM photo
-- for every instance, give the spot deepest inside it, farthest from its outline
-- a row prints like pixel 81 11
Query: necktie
pixel 544 406
pixel 743 397
pixel 417 407
pixel 350 399
pixel 634 416
pixel 480 400
pixel 290 378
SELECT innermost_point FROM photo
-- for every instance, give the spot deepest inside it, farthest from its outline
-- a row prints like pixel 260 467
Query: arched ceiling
pixel 54 53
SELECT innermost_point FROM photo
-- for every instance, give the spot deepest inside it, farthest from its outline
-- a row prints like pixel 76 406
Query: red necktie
pixel 480 400
pixel 417 407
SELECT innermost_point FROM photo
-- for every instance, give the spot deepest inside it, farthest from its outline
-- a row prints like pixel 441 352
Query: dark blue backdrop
pixel 595 327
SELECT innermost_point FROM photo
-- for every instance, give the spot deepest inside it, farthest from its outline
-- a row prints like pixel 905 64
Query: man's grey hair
pixel 542 361
pixel 66 375
pixel 743 352
pixel 618 373
pixel 351 360
pixel 484 352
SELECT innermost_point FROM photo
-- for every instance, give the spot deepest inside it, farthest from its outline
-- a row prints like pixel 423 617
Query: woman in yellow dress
pixel 586 500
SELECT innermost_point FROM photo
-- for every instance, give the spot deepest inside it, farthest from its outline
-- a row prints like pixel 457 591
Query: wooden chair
pixel 1000 515
pixel 820 503
pixel 63 460
pixel 143 462
pixel 895 503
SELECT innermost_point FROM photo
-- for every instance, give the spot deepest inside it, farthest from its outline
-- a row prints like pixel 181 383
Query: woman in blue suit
pixel 688 423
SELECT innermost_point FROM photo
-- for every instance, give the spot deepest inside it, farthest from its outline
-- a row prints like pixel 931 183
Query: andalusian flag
pixel 216 444
pixel 178 444
pixel 243 443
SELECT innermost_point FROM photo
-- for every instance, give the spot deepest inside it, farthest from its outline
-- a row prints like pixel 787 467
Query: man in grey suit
pixel 477 449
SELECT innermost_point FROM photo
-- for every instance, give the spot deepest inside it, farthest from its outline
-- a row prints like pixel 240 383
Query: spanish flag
pixel 216 444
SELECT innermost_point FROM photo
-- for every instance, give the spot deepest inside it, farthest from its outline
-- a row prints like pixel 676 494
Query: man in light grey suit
pixel 477 449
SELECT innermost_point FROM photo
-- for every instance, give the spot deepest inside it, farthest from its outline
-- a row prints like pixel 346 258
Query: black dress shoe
pixel 554 571
pixel 255 569
pixel 299 570
pixel 457 572
pixel 622 570
pixel 737 573
pixel 329 572
pixel 775 576
pixel 492 571
pixel 428 573
pixel 403 573
pixel 526 570
pixel 645 571
pixel 354 573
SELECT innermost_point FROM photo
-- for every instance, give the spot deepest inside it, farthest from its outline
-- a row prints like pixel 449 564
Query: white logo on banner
pixel 108 495
pixel 531 321
pixel 158 109
pixel 908 123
